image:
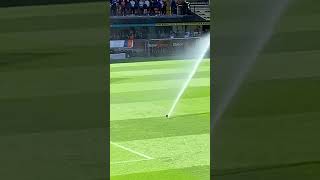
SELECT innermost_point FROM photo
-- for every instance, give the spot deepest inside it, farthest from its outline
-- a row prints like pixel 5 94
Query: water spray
pixel 271 15
pixel 202 47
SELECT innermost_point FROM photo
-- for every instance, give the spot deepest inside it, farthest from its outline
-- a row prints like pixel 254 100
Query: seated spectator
pixel 141 3
pixel 185 7
pixel 113 7
pixel 187 35
pixel 146 7
pixel 172 34
pixel 151 8
pixel 159 5
pixel 164 8
pixel 173 7
pixel 118 8
pixel 123 7
pixel 128 7
pixel 132 5
pixel 155 7
pixel 136 7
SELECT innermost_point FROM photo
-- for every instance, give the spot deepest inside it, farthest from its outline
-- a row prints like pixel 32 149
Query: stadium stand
pixel 201 9
pixel 159 33
pixel 149 7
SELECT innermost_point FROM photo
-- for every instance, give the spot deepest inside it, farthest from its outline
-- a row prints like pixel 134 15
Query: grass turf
pixel 176 148
pixel 270 130
pixel 57 54
pixel 53 66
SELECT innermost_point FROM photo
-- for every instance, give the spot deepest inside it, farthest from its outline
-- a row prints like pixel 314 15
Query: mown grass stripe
pixel 41 23
pixel 158 65
pixel 156 85
pixel 152 77
pixel 51 10
pixel 71 78
pixel 138 73
pixel 169 153
pixel 189 173
pixel 155 95
pixel 157 127
pixel 51 39
pixel 158 108
pixel 151 63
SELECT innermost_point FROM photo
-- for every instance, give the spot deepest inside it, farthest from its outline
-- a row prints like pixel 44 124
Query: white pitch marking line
pixel 138 160
pixel 130 150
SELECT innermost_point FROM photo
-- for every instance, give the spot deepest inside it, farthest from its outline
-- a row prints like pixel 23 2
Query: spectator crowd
pixel 147 7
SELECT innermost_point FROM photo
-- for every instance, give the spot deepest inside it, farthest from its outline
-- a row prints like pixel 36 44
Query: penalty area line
pixel 131 150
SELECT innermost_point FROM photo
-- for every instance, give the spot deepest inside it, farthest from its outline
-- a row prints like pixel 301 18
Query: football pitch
pixel 144 143
pixel 53 66
pixel 269 131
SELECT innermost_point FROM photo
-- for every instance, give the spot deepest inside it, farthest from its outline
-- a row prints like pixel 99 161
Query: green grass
pixel 176 148
pixel 53 66
pixel 271 128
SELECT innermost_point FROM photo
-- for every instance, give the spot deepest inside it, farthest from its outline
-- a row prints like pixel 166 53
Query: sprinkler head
pixel 167 116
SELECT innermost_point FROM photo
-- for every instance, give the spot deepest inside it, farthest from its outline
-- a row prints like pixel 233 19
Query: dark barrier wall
pixel 9 3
